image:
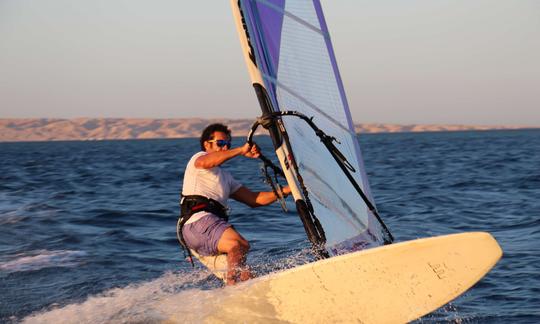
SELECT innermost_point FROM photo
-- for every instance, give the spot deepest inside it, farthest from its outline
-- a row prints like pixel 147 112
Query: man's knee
pixel 241 245
pixel 233 242
pixel 238 245
pixel 245 245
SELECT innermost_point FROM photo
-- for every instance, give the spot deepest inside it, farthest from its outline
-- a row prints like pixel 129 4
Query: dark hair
pixel 208 132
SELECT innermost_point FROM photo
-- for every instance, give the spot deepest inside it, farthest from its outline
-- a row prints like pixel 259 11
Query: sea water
pixel 87 229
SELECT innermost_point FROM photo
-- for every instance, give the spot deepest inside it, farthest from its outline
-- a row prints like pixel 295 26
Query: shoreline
pixel 95 129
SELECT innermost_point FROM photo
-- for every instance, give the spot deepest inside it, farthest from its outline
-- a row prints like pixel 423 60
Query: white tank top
pixel 214 183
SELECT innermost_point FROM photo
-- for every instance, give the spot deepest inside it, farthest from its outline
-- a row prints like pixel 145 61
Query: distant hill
pixel 44 129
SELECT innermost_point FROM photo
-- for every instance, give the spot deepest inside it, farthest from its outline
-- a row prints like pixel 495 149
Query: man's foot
pixel 246 275
pixel 236 276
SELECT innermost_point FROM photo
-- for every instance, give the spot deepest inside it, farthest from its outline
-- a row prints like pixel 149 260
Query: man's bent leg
pixel 236 248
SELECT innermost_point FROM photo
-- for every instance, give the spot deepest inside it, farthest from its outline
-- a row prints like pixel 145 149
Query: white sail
pixel 293 68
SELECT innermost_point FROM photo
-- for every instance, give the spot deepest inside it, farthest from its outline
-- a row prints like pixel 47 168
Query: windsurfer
pixel 206 189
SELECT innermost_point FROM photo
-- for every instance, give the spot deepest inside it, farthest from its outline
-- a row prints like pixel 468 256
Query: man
pixel 205 192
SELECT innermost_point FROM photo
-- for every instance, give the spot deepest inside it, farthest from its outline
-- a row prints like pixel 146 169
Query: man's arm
pixel 215 159
pixel 257 199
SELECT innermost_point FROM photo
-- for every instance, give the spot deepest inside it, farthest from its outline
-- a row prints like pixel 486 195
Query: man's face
pixel 213 144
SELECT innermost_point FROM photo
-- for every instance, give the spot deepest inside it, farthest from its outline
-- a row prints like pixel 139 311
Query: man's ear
pixel 207 145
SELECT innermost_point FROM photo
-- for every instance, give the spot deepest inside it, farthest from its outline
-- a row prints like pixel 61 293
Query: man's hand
pixel 286 190
pixel 251 151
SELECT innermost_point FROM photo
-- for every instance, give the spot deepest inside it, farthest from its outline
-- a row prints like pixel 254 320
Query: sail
pixel 293 68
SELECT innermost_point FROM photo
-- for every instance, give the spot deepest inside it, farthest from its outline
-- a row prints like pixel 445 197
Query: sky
pixel 474 62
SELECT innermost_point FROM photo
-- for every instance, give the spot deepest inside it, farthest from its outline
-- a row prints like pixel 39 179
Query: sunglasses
pixel 221 143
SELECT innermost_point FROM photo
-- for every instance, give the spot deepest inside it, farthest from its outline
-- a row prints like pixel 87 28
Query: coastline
pixel 88 129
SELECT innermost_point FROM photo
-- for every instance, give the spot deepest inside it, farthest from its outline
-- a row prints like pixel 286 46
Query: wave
pixel 40 259
pixel 167 298
pixel 175 297
pixel 11 218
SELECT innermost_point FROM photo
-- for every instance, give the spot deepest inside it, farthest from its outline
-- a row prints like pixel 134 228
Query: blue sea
pixel 87 229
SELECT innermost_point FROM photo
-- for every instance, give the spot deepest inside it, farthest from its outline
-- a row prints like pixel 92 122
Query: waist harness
pixel 190 205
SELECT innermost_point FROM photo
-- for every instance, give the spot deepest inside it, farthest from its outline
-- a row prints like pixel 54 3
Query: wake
pixel 175 297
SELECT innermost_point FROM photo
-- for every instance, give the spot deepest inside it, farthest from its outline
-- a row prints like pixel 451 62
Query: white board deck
pixel 217 264
pixel 396 283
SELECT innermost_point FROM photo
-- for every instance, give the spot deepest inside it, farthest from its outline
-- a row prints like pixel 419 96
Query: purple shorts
pixel 203 235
